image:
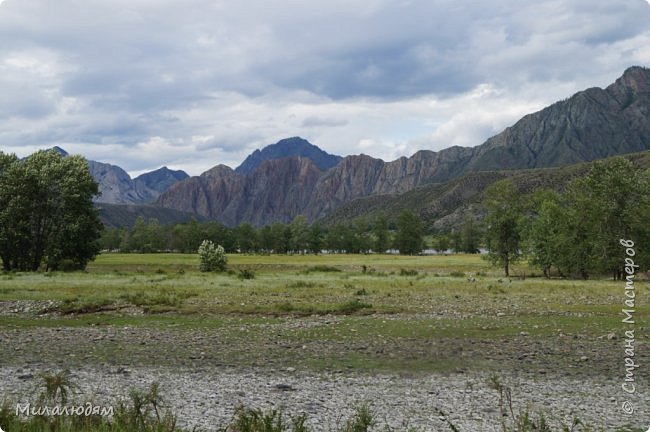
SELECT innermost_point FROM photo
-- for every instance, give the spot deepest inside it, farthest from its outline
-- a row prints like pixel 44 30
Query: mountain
pixel 591 124
pixel 278 190
pixel 60 151
pixel 117 187
pixel 125 215
pixel 288 147
pixel 161 179
pixel 445 205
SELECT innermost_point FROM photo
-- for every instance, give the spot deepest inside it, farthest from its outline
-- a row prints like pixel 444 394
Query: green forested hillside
pixel 445 205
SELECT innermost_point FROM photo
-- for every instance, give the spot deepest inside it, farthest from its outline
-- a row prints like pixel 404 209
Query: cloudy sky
pixel 194 83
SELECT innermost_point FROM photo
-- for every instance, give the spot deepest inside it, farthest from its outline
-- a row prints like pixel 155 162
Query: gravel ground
pixel 565 376
pixel 205 398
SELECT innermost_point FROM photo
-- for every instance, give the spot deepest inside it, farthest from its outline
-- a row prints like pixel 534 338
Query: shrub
pixel 246 274
pixel 301 284
pixel 362 421
pixel 211 257
pixel 256 420
pixel 352 307
pixel 323 268
pixel 409 272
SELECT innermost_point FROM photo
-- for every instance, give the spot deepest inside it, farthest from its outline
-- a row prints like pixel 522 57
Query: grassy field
pixel 350 314
pixel 367 313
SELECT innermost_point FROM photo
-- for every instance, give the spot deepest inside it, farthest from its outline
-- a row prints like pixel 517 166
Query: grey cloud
pixel 145 68
pixel 322 121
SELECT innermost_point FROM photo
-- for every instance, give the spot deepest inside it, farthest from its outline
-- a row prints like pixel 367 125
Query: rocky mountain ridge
pixel 288 147
pixel 592 124
pixel 117 187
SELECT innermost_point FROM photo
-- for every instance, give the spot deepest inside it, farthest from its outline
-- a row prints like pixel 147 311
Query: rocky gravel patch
pixel 205 398
pixel 206 372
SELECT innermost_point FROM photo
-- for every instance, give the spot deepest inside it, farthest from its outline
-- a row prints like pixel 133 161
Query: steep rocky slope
pixel 277 190
pixel 590 125
pixel 117 187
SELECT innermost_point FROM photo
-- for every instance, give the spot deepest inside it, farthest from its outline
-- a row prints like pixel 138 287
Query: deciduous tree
pixel 46 212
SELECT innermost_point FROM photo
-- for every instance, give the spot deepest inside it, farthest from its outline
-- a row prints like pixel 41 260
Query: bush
pixel 211 257
pixel 256 420
pixel 246 274
pixel 352 307
pixel 323 268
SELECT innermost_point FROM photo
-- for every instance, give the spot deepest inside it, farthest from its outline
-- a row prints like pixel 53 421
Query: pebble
pixel 206 398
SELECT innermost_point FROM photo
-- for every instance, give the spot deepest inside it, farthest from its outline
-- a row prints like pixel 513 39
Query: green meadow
pixel 368 313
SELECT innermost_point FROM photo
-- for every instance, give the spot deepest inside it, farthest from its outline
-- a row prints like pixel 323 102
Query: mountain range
pixel 283 181
pixel 294 177
pixel 117 187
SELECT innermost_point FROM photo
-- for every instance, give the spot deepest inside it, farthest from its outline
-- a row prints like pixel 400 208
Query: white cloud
pixel 150 82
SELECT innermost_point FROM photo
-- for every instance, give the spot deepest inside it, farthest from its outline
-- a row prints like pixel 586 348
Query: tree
pixel 246 237
pixel 456 241
pixel 382 237
pixel 611 203
pixel 543 235
pixel 315 240
pixel 138 236
pixel 337 238
pixel 281 236
pixel 442 243
pixel 362 242
pixel 299 234
pixel 112 238
pixel 502 202
pixel 46 212
pixel 470 236
pixel 409 238
pixel 265 236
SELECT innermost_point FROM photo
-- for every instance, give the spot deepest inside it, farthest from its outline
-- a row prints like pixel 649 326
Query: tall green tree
pixel 409 239
pixel 46 213
pixel 456 241
pixel 315 240
pixel 504 209
pixel 381 233
pixel 337 238
pixel 442 243
pixel 611 203
pixel 281 236
pixel 362 239
pixel 470 236
pixel 299 234
pixel 544 235
pixel 246 237
pixel 266 240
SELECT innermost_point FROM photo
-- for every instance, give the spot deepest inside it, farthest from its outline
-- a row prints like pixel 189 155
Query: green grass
pixel 423 306
pixel 364 314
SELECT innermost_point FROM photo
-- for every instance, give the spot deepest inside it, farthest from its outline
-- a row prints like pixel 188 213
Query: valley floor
pixel 409 336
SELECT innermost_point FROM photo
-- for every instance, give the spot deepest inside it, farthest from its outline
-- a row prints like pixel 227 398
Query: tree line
pixel 47 220
pixel 406 235
pixel 575 232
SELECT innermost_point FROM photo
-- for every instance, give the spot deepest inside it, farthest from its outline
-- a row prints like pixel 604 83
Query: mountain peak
pixel 60 151
pixel 636 78
pixel 288 147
